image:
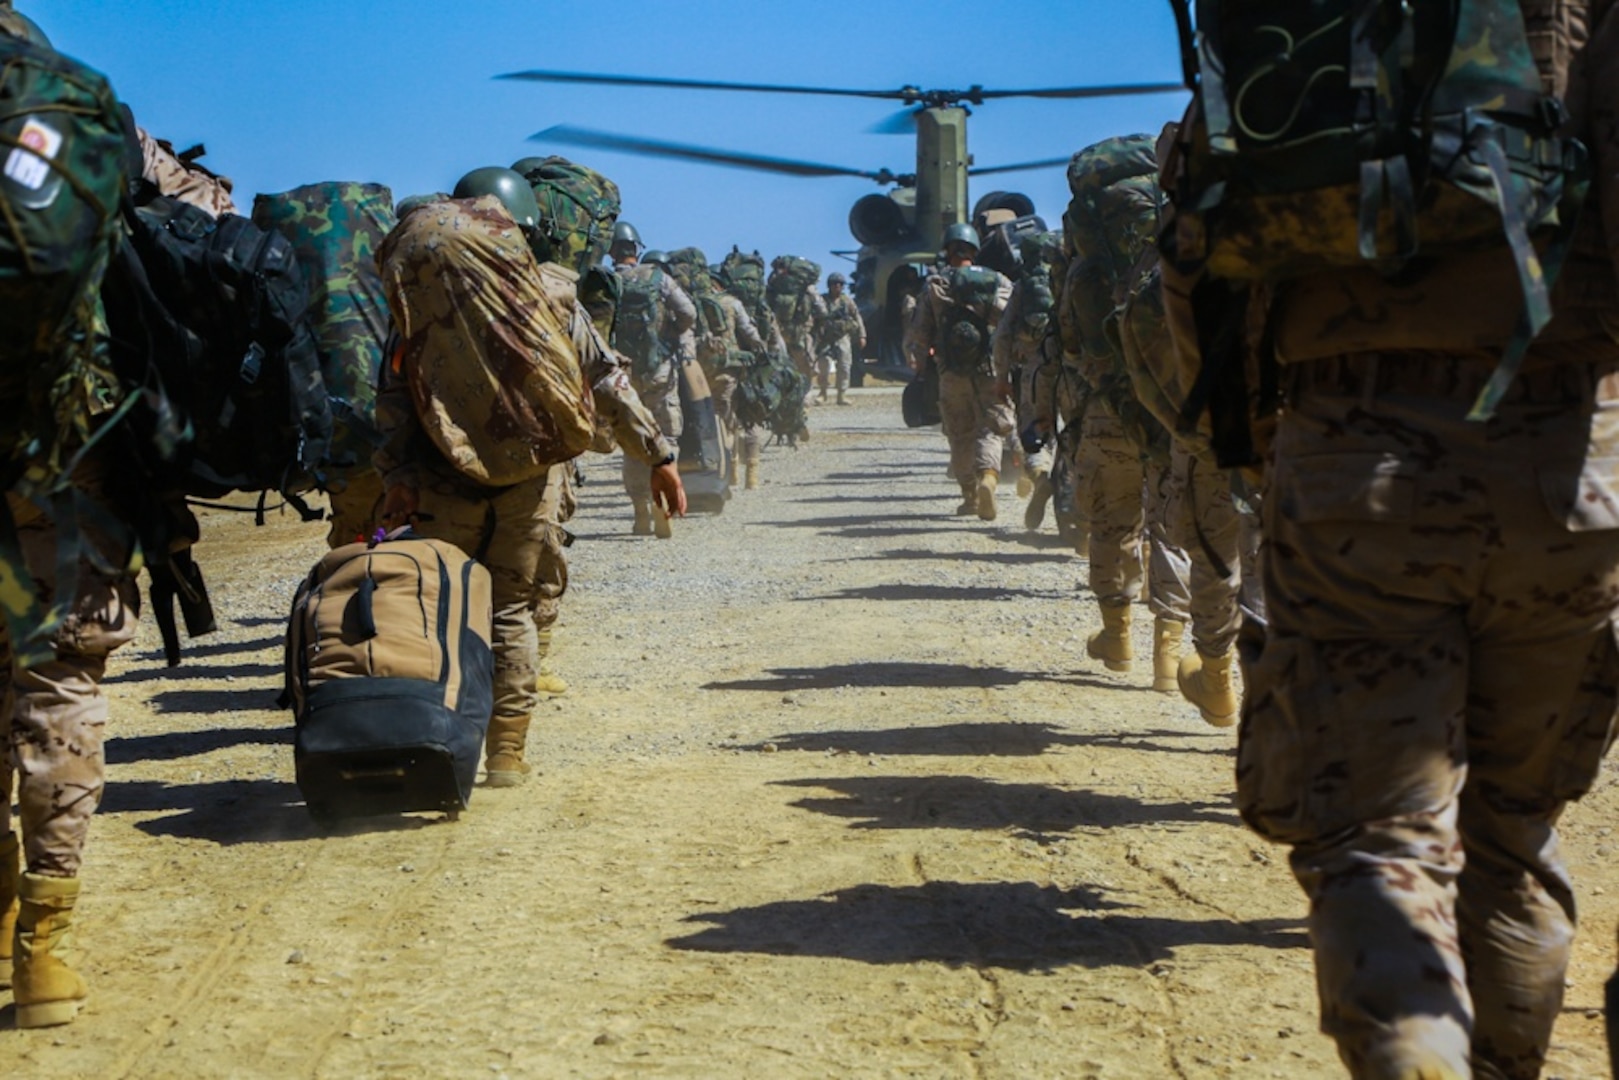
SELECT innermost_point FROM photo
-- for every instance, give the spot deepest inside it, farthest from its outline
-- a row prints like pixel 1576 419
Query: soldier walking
pixel 842 336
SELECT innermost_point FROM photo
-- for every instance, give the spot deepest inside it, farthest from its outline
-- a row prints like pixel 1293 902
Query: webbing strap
pixel 1536 274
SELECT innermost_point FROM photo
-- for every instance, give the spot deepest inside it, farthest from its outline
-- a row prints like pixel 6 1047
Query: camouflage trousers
pixel 357 509
pixel 1126 500
pixel 976 421
pixel 1437 681
pixel 739 441
pixel 1221 544
pixel 832 367
pixel 517 534
pixel 662 399
pixel 54 717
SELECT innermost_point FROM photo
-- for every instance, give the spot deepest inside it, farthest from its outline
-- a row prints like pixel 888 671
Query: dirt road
pixel 835 793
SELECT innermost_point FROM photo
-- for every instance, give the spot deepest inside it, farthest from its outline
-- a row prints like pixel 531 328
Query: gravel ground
pixel 835 793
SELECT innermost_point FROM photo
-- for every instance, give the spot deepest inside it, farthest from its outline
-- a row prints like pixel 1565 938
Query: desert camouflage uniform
pixel 1221 542
pixel 54 715
pixel 659 386
pixel 800 331
pixel 976 418
pixel 1019 350
pixel 745 442
pixel 184 180
pixel 765 328
pixel 1439 674
pixel 841 333
pixel 516 529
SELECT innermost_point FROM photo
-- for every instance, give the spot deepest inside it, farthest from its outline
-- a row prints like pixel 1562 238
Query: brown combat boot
pixel 8 903
pixel 1025 485
pixel 752 481
pixel 843 398
pixel 504 767
pixel 969 499
pixel 662 527
pixel 46 990
pixel 548 682
pixel 1205 681
pixel 1111 644
pixel 1166 654
pixel 643 517
pixel 984 494
pixel 1034 515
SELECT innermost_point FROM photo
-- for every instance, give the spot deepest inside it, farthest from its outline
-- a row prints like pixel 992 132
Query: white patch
pixel 27 163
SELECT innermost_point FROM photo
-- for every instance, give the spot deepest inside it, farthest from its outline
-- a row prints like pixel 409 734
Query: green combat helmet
pixel 626 241
pixel 961 233
pixel 656 257
pixel 17 24
pixel 507 186
pixel 415 202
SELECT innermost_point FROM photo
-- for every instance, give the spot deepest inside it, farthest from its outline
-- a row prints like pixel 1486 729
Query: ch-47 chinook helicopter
pixel 900 230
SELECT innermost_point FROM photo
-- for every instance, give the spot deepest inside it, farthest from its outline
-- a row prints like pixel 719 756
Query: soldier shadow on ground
pixel 210 646
pixel 902 591
pixel 848 479
pixel 210 702
pixel 989 739
pixel 230 812
pixel 1016 926
pixel 196 672
pixel 878 673
pixel 1028 811
pixel 873 496
pixel 1007 558
pixel 171 745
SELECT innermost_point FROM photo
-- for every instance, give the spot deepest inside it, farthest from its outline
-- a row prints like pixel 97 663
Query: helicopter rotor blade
pixel 1069 92
pixel 1049 163
pixel 902 94
pixel 629 144
pixel 899 123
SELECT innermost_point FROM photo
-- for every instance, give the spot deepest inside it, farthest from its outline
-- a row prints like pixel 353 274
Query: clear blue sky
pixel 289 92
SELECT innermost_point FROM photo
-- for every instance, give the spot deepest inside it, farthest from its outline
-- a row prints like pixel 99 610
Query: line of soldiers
pixel 693 331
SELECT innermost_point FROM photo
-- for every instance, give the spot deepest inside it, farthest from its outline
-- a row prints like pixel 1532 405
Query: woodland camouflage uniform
pixel 515 529
pixel 1439 674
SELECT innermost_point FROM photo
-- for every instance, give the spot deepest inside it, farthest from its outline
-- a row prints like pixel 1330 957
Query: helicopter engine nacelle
pixel 877 220
pixel 998 208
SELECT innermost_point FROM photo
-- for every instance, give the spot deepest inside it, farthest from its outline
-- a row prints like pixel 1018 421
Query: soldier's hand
pixel 668 493
pixel 399 506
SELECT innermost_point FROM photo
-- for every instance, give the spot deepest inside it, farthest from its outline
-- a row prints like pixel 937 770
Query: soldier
pixel 1123 450
pixel 54 714
pixel 959 306
pixel 1438 676
pixel 799 312
pixel 654 332
pixel 742 276
pixel 514 530
pixel 1018 348
pixel 842 335
pixel 727 343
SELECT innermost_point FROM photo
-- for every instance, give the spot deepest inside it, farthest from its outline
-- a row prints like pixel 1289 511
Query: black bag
pixel 919 401
pixel 211 317
pixel 390 677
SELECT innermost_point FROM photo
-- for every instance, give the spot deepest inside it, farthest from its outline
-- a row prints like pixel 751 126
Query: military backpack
pixel 965 346
pixel 63 167
pixel 578 207
pixel 1345 133
pixel 637 333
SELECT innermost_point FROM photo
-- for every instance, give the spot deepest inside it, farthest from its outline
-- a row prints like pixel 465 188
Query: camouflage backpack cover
pixel 715 328
pixel 62 173
pixel 965 346
pixel 487 351
pixel 1347 133
pixel 578 207
pixel 744 277
pixel 336 229
pixel 791 283
pixel 638 330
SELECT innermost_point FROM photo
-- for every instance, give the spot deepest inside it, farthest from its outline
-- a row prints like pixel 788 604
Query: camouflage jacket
pixel 748 338
pixel 764 322
pixel 935 310
pixel 678 313
pixel 406 447
pixel 799 324
pixel 842 322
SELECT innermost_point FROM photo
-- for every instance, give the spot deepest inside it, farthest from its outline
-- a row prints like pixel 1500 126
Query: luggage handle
pixel 364 611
